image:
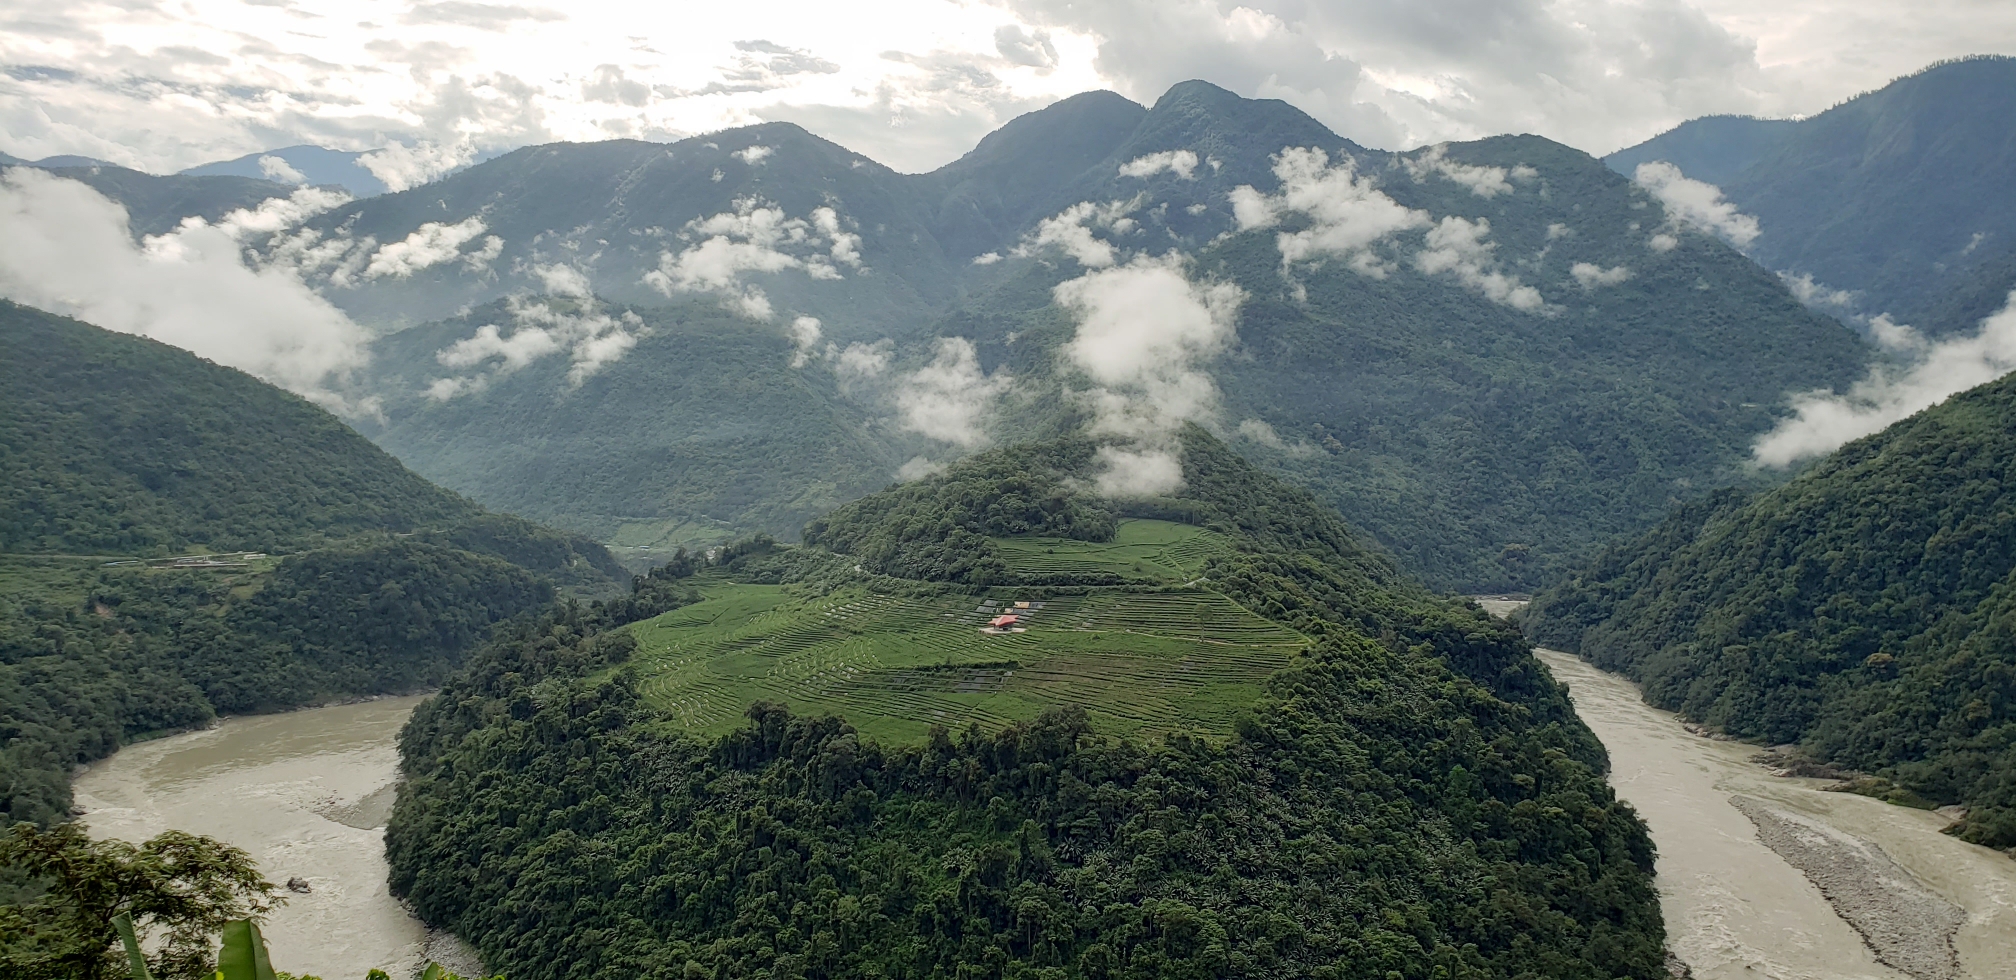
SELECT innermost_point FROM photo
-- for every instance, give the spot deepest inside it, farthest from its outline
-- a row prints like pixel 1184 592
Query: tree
pixel 180 889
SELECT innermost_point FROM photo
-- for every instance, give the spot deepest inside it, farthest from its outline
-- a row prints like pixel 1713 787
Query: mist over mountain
pixel 1897 196
pixel 1486 354
pixel 311 165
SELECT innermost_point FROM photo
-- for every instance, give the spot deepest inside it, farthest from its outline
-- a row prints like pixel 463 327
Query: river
pixel 307 793
pixel 1883 894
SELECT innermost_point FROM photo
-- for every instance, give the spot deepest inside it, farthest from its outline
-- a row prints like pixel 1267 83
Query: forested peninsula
pixel 1409 795
pixel 1865 610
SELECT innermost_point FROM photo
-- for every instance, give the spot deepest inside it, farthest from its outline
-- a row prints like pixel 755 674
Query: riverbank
pixel 1772 876
pixel 307 794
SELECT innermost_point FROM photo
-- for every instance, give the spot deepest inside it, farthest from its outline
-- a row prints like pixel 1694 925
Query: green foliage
pixel 114 443
pixel 1900 194
pixel 1866 609
pixel 178 888
pixel 1372 812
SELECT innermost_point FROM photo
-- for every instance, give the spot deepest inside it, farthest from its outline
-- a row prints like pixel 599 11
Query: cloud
pixel 401 167
pixel 860 362
pixel 804 337
pixel 610 85
pixel 1182 163
pixel 987 258
pixel 1264 434
pixel 1822 421
pixel 1695 203
pixel 1485 182
pixel 1071 230
pixel 591 338
pixel 430 245
pixel 1022 47
pixel 482 16
pixel 563 280
pixel 1456 245
pixel 917 468
pixel 69 250
pixel 752 155
pixel 951 399
pixel 1814 293
pixel 277 169
pixel 1590 275
pixel 753 239
pixel 1144 333
pixel 1347 214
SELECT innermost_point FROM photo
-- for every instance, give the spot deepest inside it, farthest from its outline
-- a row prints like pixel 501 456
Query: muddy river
pixel 1762 876
pixel 307 793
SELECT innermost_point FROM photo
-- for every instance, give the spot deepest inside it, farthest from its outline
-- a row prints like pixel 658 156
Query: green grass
pixel 1138 661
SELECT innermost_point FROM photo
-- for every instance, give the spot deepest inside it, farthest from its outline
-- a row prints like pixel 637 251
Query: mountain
pixel 156 204
pixel 1568 362
pixel 315 165
pixel 1226 738
pixel 1897 194
pixel 179 540
pixel 1863 610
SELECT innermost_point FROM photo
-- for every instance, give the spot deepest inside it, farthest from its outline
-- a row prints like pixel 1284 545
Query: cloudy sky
pixel 167 84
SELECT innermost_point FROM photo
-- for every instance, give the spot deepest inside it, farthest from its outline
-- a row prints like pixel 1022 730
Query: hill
pixel 1897 194
pixel 1361 780
pixel 178 539
pixel 1479 435
pixel 317 167
pixel 1862 610
pixel 156 205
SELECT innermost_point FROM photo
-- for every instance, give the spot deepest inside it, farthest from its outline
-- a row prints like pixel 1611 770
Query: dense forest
pixel 118 454
pixel 1413 797
pixel 1866 610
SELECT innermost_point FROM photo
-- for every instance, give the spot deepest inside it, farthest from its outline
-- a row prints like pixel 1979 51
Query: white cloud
pixel 1590 276
pixel 68 250
pixel 563 280
pixel 540 328
pixel 753 155
pixel 1456 245
pixel 430 245
pixel 1264 434
pixel 1071 230
pixel 917 468
pixel 805 338
pixel 1144 334
pixel 277 169
pixel 1182 163
pixel 987 258
pixel 1814 293
pixel 951 399
pixel 1347 214
pixel 1695 203
pixel 1485 182
pixel 403 167
pixel 1822 421
pixel 756 237
pixel 860 362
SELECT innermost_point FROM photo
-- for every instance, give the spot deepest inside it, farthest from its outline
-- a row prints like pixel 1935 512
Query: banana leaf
pixel 243 956
pixel 135 960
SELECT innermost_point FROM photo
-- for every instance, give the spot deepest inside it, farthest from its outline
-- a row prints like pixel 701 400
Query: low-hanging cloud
pixel 1182 163
pixel 430 245
pixel 1348 215
pixel 951 399
pixel 756 237
pixel 1590 276
pixel 400 167
pixel 280 170
pixel 1072 231
pixel 1694 203
pixel 1145 332
pixel 1457 246
pixel 540 327
pixel 68 249
pixel 1823 421
pixel 1483 181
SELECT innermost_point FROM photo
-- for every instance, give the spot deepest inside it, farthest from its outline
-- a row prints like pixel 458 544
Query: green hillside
pixel 1901 194
pixel 1864 610
pixel 1229 741
pixel 179 540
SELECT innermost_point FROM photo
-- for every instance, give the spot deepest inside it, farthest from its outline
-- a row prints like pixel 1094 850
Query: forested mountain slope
pixel 1897 194
pixel 1534 355
pixel 1410 796
pixel 329 569
pixel 156 204
pixel 1864 610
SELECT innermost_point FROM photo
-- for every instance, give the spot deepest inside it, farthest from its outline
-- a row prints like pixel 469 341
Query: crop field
pixel 1138 661
pixel 1147 551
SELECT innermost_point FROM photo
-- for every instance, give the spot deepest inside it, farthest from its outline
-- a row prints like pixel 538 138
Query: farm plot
pixel 1141 551
pixel 896 666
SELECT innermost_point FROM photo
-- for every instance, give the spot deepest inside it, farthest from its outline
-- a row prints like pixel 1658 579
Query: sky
pixel 162 85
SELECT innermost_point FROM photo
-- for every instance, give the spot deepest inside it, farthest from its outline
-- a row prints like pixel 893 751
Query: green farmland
pixel 1139 658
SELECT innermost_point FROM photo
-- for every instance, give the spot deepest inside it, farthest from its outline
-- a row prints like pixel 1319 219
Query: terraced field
pixel 894 666
pixel 1148 551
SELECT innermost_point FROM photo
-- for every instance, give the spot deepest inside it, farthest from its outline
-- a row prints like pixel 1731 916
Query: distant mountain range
pixel 314 166
pixel 1900 196
pixel 1576 361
